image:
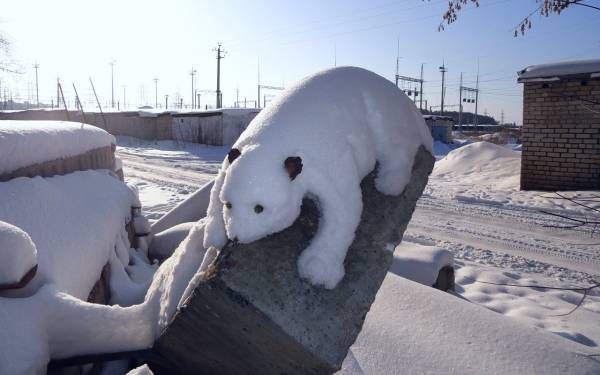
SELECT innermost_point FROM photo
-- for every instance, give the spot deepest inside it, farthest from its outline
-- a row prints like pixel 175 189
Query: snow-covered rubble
pixel 23 143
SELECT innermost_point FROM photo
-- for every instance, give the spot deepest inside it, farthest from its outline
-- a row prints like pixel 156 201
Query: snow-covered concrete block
pixel 253 313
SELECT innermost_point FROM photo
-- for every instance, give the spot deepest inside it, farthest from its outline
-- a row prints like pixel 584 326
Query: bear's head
pixel 260 195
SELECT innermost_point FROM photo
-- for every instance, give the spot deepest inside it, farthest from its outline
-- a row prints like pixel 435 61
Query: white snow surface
pixel 74 220
pixel 335 124
pixel 18 253
pixel 414 329
pixel 24 143
pixel 558 69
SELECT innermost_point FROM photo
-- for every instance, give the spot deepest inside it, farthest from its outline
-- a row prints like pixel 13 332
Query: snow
pixel 142 370
pixel 553 71
pixel 481 163
pixel 327 131
pixel 420 263
pixel 74 221
pixel 415 329
pixel 542 308
pixel 24 143
pixel 18 254
pixel 77 222
pixel 493 234
pixel 165 172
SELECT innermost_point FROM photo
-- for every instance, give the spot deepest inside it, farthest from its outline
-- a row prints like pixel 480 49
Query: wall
pixel 220 127
pixel 561 135
pixel 117 123
pixel 217 127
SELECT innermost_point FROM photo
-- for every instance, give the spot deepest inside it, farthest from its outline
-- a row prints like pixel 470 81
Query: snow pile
pixel 416 329
pixel 320 137
pixel 553 71
pixel 18 254
pixel 74 220
pixel 24 143
pixel 420 263
pixel 481 163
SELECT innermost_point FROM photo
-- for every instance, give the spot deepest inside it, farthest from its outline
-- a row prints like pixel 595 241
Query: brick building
pixel 561 126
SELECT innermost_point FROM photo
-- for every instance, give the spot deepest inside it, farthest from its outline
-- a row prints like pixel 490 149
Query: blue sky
pixel 164 39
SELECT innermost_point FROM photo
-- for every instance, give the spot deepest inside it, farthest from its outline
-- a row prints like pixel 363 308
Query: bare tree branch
pixel 545 8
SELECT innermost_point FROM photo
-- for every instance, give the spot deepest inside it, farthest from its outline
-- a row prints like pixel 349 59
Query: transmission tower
pixel 469 97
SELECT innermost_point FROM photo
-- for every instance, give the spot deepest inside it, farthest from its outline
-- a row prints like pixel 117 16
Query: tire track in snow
pixel 503 230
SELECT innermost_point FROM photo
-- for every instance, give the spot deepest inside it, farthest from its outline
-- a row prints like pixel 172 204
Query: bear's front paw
pixel 320 270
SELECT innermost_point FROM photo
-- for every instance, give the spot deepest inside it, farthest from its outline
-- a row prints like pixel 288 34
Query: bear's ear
pixel 293 166
pixel 233 154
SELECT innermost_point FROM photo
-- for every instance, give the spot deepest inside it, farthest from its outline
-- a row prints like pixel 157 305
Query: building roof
pixel 561 70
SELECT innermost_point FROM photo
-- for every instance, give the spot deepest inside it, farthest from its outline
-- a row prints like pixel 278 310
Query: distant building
pixel 561 126
pixel 440 127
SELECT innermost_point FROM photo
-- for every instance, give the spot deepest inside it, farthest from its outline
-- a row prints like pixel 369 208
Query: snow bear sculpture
pixel 319 139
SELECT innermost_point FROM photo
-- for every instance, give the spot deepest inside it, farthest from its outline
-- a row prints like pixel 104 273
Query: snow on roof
pixel 23 143
pixel 554 71
pixel 415 329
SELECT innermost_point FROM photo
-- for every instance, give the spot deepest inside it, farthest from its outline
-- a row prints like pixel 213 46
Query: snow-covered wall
pixel 24 143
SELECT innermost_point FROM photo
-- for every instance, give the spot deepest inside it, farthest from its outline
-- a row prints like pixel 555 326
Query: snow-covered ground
pixel 472 207
pixel 166 172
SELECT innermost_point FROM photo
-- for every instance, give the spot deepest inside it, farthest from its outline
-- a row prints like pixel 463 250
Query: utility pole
pixel 166 101
pixel 237 96
pixel 37 88
pixel 476 95
pixel 421 91
pixel 334 54
pixel 124 98
pixel 443 70
pixel 112 83
pixel 258 85
pixel 397 62
pixel 155 92
pixel 193 73
pixel 502 117
pixel 460 106
pixel 219 57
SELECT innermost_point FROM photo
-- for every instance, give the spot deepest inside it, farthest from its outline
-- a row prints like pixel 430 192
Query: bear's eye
pixel 258 208
pixel 228 205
